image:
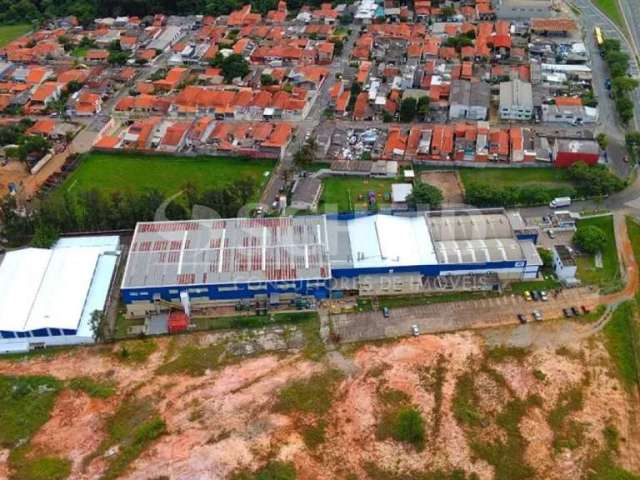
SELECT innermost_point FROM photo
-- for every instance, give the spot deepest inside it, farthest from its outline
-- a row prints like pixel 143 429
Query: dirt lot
pixel 13 172
pixel 448 182
pixel 226 418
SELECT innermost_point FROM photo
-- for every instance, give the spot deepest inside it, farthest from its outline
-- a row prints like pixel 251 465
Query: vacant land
pixel 515 177
pixel 352 193
pixel 444 407
pixel 611 10
pixel 609 274
pixel 115 172
pixel 9 33
pixel 448 182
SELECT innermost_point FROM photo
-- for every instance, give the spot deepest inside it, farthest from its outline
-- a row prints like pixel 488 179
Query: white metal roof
pixel 42 288
pixel 21 273
pixel 387 241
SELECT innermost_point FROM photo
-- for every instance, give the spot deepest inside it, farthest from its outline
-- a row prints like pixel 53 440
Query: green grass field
pixel 351 193
pixel 9 33
pixel 611 10
pixel 514 177
pixel 609 274
pixel 118 172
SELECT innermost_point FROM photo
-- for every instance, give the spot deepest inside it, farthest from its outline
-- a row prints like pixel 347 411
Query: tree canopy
pixel 424 195
pixel 233 66
pixel 590 239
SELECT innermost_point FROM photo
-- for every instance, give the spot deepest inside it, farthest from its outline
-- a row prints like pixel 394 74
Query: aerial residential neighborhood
pixel 280 240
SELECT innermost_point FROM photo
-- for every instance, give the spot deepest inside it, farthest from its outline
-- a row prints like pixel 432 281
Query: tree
pixel 590 239
pixel 266 80
pixel 408 109
pixel 44 235
pixel 117 57
pixel 423 106
pixel 306 154
pixel 97 325
pixel 594 180
pixel 624 105
pixel 603 141
pixel 623 85
pixel 547 259
pixel 447 11
pixel 423 195
pixel 233 66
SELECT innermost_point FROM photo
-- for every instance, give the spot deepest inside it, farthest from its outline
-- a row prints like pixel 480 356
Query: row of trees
pixel 93 210
pixel 87 10
pixel 588 181
pixel 621 85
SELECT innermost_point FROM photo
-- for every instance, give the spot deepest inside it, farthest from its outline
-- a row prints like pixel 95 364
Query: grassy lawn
pixel 621 335
pixel 610 9
pixel 546 284
pixel 514 177
pixel 9 33
pixel 351 193
pixel 426 299
pixel 118 172
pixel 609 274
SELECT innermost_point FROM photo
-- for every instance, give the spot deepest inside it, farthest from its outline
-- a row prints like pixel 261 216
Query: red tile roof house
pixel 87 105
pixel 174 137
pixel 173 79
pixel 42 95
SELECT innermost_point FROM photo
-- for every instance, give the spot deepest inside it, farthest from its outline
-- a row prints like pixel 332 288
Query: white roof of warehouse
pixel 42 288
pixel 387 240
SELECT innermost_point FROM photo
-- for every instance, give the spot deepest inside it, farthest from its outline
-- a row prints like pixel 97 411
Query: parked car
pixel 414 330
pixel 551 233
pixel 522 318
pixel 536 295
pixel 544 296
pixel 385 312
pixel 536 315
pixel 567 312
pixel 607 83
pixel 527 296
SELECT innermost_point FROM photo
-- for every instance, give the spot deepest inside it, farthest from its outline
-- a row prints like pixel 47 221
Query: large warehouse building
pixel 48 296
pixel 232 259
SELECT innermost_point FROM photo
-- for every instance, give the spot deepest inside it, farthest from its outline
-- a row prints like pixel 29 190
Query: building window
pixel 257 286
pixel 231 288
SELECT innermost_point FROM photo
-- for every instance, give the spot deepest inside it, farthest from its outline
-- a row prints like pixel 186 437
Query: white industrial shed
pixel 47 296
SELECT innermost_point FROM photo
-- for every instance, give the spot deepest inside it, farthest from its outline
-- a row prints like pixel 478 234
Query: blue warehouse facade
pixel 226 260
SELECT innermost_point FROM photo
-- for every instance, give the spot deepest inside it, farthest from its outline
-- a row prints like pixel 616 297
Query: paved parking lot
pixel 447 317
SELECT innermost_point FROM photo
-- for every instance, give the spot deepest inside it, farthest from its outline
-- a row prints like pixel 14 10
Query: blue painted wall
pixel 317 288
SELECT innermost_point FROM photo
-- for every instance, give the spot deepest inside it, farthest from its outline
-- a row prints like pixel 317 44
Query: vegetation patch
pixel 255 321
pixel 118 172
pixel 501 353
pixel 603 465
pixel 400 420
pixel 26 403
pixel 352 193
pixel 313 395
pixel 194 361
pixel 272 471
pixel 609 274
pixel 432 380
pixel 8 33
pixel 27 467
pixel 466 401
pixel 375 472
pixel 412 300
pixel 567 433
pixel 314 435
pixel 133 427
pixel 505 451
pixel 621 337
pixel 93 388
pixel 136 351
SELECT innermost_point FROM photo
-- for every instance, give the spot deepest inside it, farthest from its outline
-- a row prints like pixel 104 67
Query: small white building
pixel 48 296
pixel 399 194
pixel 564 263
